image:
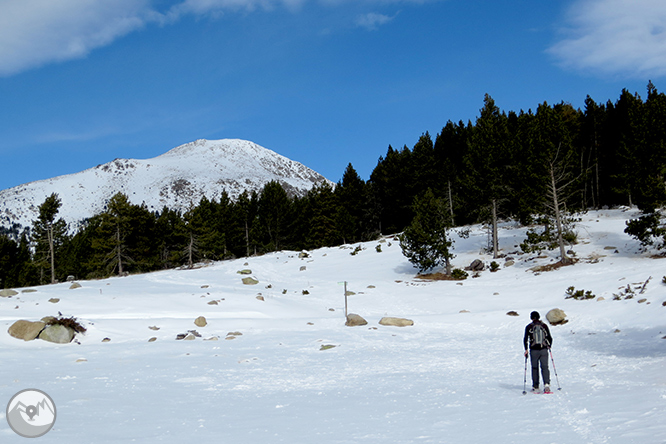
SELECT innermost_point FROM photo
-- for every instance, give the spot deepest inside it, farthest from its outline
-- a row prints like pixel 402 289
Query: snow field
pixel 452 377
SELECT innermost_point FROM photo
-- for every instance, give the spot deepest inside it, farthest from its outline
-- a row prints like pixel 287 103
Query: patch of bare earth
pixel 435 277
pixel 554 266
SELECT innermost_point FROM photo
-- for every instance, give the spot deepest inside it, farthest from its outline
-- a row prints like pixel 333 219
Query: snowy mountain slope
pixel 176 179
pixel 456 376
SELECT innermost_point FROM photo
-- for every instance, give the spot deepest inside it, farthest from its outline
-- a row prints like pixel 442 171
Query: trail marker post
pixel 345 284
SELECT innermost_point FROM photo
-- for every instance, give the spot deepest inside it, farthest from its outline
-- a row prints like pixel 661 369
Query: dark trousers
pixel 539 357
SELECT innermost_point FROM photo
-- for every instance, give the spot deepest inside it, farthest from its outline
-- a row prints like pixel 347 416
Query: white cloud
pixel 373 20
pixel 615 37
pixel 216 6
pixel 36 32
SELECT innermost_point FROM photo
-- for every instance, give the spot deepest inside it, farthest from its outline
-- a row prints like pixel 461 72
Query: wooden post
pixel 345 299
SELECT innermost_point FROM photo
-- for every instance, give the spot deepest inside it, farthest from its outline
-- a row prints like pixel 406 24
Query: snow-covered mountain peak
pixel 177 179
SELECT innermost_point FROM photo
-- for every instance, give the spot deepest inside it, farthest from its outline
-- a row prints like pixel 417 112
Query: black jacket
pixel 528 338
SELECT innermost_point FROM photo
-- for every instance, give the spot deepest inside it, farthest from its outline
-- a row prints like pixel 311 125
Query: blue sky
pixel 323 82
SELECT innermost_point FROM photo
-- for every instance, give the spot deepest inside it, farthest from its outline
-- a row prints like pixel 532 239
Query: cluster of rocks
pixel 43 329
pixel 191 335
pixel 354 320
pixel 555 316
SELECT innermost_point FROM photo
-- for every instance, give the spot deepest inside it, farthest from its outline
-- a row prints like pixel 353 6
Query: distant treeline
pixel 504 165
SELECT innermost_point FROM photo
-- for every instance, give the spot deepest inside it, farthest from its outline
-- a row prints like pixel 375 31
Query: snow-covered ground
pixel 455 376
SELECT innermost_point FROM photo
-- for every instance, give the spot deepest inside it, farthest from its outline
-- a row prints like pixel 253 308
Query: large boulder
pixel 354 320
pixel 26 330
pixel 556 317
pixel 8 293
pixel 396 322
pixel 476 265
pixel 58 334
pixel 200 321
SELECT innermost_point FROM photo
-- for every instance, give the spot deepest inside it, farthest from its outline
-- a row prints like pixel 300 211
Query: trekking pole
pixel 554 369
pixel 525 378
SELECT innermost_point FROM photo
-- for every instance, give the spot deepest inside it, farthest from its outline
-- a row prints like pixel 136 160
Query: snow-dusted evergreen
pixel 176 179
pixel 275 362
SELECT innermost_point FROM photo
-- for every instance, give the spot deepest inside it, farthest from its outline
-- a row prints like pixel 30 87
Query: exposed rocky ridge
pixel 176 179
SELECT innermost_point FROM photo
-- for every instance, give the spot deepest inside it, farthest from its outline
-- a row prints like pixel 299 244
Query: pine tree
pixel 171 237
pixel 449 151
pixel 392 184
pixel 110 241
pixel 351 194
pixel 274 213
pixel 649 170
pixel 8 259
pixel 553 161
pixel 425 242
pixel 488 162
pixel 243 218
pixel 320 209
pixel 49 234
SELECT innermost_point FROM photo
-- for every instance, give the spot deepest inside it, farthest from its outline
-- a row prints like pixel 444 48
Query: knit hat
pixel 534 315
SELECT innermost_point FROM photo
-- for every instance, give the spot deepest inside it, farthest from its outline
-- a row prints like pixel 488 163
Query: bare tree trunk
pixel 190 248
pixel 495 239
pixel 558 217
pixel 451 203
pixel 247 239
pixel 49 233
pixel 119 252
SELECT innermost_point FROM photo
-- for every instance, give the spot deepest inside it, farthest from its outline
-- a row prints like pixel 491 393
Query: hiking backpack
pixel 539 336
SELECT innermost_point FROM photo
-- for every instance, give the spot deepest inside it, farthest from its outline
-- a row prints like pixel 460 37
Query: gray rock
pixel 26 330
pixel 58 334
pixel 250 281
pixel 396 322
pixel 75 285
pixel 200 321
pixel 8 293
pixel 246 271
pixel 354 320
pixel 476 265
pixel 556 317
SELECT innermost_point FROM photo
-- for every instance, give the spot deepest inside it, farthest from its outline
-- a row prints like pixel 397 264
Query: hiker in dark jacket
pixel 538 341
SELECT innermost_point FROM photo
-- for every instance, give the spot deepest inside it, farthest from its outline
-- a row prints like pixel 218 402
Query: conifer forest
pixel 538 167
